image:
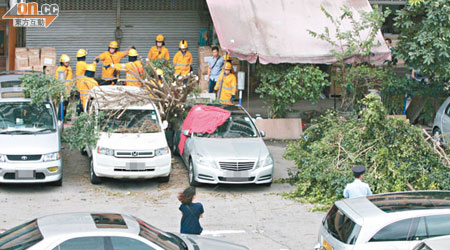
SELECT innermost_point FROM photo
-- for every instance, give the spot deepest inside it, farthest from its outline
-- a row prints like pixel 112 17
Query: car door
pixel 395 236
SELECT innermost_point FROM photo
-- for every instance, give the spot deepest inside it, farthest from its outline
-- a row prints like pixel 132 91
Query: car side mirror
pixel 262 133
pixel 186 132
pixel 165 124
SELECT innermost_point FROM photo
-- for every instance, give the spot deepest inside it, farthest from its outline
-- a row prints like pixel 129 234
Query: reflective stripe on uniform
pixel 229 88
pixel 79 76
pixel 182 65
pixel 109 78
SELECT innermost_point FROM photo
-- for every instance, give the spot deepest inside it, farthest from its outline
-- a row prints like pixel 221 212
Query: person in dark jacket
pixel 191 212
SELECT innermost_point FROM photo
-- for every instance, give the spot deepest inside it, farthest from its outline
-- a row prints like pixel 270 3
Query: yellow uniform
pixel 68 73
pixel 80 69
pixel 132 69
pixel 182 63
pixel 108 59
pixel 83 86
pixel 229 84
pixel 155 54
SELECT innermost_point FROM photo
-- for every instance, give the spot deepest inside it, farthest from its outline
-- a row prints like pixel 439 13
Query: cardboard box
pixel 34 61
pixel 21 52
pixel 24 68
pixel 21 62
pixel 33 52
pixel 39 68
pixel 50 70
pixel 48 52
pixel 48 60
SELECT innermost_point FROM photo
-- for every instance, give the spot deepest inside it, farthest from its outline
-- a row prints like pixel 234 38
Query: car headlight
pixel 52 156
pixel 266 162
pixel 202 160
pixel 105 151
pixel 2 158
pixel 162 151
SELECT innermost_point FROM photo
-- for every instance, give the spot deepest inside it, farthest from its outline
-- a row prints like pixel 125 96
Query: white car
pixel 385 221
pixel 437 243
pixel 30 143
pixel 132 142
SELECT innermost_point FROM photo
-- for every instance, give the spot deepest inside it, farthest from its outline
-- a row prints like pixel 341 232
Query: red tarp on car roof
pixel 202 119
pixel 276 31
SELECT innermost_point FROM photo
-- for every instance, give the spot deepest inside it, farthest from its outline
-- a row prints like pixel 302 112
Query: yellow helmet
pixel 114 45
pixel 91 67
pixel 64 58
pixel 228 66
pixel 81 53
pixel 159 72
pixel 226 57
pixel 183 44
pixel 133 52
pixel 160 38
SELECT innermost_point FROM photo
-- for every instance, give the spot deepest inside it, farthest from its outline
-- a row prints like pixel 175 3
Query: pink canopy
pixel 276 31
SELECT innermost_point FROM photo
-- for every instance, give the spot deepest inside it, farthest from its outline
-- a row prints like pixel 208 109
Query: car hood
pixel 30 144
pixel 201 242
pixel 132 141
pixel 231 148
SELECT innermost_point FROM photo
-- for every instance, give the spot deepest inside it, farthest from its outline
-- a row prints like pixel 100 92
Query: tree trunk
pixel 415 107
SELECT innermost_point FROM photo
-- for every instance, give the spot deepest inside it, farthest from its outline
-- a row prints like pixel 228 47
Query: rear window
pixel 341 227
pixel 21 237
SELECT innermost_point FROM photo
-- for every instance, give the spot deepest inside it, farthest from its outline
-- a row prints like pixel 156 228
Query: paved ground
pixel 252 215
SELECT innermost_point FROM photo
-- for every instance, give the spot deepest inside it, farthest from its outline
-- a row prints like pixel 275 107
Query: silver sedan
pixel 101 231
pixel 235 153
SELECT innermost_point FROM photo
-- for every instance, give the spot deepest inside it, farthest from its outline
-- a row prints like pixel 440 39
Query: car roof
pixel 438 243
pixel 68 223
pixel 104 91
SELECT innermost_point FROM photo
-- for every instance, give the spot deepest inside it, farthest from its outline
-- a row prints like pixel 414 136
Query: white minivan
pixel 30 142
pixel 132 142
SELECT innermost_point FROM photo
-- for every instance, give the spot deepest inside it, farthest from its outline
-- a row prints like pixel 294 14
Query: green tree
pixel 424 43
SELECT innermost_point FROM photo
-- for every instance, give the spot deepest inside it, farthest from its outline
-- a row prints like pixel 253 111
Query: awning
pixel 276 31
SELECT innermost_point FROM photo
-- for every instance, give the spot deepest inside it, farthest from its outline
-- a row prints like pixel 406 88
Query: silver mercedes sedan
pixel 101 231
pixel 235 153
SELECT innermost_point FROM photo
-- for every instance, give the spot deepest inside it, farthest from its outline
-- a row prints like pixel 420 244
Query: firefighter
pixel 182 60
pixel 86 83
pixel 159 76
pixel 64 73
pixel 81 63
pixel 159 51
pixel 132 68
pixel 226 85
pixel 112 56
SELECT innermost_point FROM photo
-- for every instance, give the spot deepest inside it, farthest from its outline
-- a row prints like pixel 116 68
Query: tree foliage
pixel 424 41
pixel 396 154
pixel 42 88
pixel 282 85
pixel 83 132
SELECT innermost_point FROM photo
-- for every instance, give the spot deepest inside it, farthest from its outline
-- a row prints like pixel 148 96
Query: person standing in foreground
pixel 191 212
pixel 357 188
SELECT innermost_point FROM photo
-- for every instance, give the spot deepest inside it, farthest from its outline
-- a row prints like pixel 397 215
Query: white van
pixel 132 142
pixel 30 144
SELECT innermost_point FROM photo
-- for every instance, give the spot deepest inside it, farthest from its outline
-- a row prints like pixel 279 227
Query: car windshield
pixel 21 237
pixel 341 227
pixel 238 125
pixel 24 117
pixel 160 238
pixel 130 121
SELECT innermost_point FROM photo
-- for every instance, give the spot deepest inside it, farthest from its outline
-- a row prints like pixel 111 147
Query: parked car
pixel 30 142
pixel 437 243
pixel 441 124
pixel 235 153
pixel 386 221
pixel 101 231
pixel 132 142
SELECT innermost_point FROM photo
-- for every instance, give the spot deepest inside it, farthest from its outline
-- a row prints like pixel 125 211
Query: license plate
pixel 236 174
pixel 135 165
pixel 25 174
pixel 327 245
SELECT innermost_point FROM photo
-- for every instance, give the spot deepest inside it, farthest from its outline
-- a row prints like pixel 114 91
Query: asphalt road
pixel 256 216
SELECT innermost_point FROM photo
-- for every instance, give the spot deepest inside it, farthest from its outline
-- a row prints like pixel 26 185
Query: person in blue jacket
pixel 191 212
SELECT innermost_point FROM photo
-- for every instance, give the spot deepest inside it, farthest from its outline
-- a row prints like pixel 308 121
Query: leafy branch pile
pixel 42 88
pixel 397 155
pixel 282 85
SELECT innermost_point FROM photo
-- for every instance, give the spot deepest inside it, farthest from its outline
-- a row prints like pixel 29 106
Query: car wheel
pixel 164 179
pixel 57 183
pixel 437 137
pixel 191 174
pixel 92 176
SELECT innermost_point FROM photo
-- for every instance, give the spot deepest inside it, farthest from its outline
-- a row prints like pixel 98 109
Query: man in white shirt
pixel 357 188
